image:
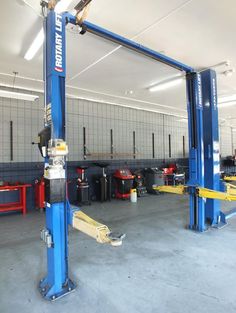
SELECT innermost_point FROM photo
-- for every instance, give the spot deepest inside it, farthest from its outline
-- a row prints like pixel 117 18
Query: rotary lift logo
pixel 199 85
pixel 58 44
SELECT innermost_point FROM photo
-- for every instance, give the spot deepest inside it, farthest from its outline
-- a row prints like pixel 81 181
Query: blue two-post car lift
pixel 203 147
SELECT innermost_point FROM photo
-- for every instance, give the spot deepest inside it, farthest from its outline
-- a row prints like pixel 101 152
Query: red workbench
pixel 15 206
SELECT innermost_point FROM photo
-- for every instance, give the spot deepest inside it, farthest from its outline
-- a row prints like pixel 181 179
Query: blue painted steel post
pixel 196 155
pixel 57 282
pixel 211 143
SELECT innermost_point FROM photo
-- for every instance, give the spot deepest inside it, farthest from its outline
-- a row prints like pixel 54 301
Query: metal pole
pixel 196 155
pixel 211 143
pixel 56 283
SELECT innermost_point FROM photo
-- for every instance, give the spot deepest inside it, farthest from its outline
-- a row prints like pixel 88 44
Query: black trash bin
pixel 153 176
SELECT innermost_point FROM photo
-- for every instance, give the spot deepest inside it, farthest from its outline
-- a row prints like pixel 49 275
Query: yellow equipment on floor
pixel 96 230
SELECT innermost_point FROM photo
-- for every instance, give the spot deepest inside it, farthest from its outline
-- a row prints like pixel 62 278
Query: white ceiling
pixel 198 33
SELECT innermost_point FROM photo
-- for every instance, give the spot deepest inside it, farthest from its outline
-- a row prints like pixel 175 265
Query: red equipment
pixel 171 169
pixel 39 194
pixel 15 206
pixel 167 171
pixel 124 182
pixel 173 166
pixel 171 177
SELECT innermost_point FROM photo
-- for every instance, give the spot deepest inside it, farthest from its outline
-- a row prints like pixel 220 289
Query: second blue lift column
pixel 196 155
pixel 211 143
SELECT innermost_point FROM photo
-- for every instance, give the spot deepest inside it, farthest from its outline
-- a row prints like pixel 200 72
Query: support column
pixel 56 283
pixel 211 143
pixel 196 155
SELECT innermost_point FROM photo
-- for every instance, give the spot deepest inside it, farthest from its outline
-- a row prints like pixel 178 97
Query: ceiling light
pixel 166 84
pixel 35 46
pixel 227 104
pixel 224 99
pixel 183 120
pixel 18 95
pixel 38 41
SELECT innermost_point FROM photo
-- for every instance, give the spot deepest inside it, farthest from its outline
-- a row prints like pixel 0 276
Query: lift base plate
pixel 47 291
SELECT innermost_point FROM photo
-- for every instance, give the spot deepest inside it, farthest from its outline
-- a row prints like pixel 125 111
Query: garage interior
pixel 117 120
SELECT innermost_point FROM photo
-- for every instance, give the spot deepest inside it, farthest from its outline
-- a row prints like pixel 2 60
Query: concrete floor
pixel 161 267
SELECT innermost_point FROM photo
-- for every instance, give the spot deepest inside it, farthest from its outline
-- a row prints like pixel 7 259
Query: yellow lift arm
pixel 230 195
pixel 96 230
pixel 231 189
pixel 212 194
pixel 230 178
pixel 180 189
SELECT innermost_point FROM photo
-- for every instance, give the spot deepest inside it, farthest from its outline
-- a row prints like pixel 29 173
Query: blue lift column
pixel 53 147
pixel 211 143
pixel 196 154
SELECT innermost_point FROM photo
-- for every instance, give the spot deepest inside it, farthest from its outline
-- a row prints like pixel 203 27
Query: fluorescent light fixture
pixel 35 46
pixel 183 120
pixel 227 104
pixel 18 95
pixel 224 99
pixel 38 41
pixel 166 84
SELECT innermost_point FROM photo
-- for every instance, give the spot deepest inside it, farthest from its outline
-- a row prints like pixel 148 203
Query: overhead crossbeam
pixel 130 44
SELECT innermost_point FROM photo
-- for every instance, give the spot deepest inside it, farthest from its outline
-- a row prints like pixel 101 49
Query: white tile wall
pixel 99 119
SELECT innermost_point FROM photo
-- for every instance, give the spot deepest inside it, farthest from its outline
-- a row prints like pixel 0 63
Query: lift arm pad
pixel 96 230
